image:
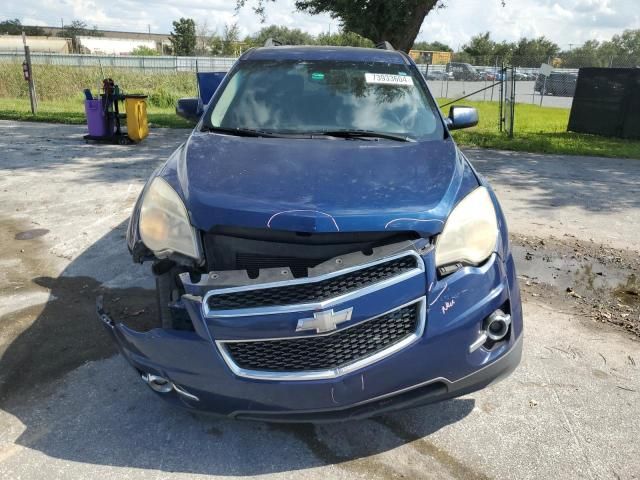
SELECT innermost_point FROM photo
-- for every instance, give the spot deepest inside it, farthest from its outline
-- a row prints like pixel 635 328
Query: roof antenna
pixel 385 46
pixel 272 42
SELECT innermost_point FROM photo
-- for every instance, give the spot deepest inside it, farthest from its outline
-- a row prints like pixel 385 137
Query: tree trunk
pixel 404 39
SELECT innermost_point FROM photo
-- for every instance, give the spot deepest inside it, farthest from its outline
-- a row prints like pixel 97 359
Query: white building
pixel 13 43
pixel 113 46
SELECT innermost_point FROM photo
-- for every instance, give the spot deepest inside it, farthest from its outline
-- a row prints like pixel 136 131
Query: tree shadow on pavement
pixel 75 400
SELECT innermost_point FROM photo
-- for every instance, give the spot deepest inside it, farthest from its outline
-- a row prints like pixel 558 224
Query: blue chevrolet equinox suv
pixel 322 249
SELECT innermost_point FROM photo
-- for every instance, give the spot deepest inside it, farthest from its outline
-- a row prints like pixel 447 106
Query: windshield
pixel 306 97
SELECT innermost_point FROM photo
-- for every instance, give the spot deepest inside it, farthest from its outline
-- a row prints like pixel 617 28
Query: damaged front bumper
pixel 220 367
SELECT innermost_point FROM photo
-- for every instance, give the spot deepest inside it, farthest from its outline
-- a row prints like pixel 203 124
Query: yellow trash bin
pixel 136 109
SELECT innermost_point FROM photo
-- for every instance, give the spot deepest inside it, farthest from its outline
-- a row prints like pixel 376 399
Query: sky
pixel 567 22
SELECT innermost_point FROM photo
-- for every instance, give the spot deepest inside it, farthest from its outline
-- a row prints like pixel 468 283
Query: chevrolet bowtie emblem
pixel 324 321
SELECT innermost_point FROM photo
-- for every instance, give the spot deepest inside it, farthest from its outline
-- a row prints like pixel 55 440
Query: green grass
pixel 71 111
pixel 60 92
pixel 57 82
pixel 539 130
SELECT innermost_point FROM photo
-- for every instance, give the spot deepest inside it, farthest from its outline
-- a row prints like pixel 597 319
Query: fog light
pixel 495 328
pixel 497 325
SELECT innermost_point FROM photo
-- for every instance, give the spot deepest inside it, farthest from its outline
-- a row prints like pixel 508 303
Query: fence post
pixel 501 100
pixel 495 69
pixel 544 84
pixel 29 72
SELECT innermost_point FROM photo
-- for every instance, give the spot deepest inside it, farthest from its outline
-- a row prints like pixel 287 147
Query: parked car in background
pixel 561 84
pixel 487 75
pixel 463 71
pixel 491 75
pixel 322 249
pixel 439 75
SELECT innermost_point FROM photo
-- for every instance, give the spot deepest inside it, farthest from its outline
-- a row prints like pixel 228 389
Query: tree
pixel 503 51
pixel 78 28
pixel 227 44
pixel 481 48
pixel 628 43
pixel 34 31
pixel 432 47
pixel 396 21
pixel 624 49
pixel 11 27
pixel 183 37
pixel 203 37
pixel 15 27
pixel 587 55
pixel 288 36
pixel 534 52
pixel 144 51
pixel 343 39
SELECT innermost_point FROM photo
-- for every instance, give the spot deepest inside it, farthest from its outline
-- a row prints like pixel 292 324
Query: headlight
pixel 164 222
pixel 471 231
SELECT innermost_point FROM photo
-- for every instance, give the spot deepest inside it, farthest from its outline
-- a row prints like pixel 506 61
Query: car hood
pixel 319 185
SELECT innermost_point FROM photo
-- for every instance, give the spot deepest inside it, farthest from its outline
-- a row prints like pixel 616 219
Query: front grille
pixel 329 351
pixel 254 262
pixel 309 291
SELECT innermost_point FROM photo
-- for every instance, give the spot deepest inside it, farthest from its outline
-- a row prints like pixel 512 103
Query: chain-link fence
pixel 449 81
pixel 538 80
pixel 151 64
pixel 555 89
pixel 61 77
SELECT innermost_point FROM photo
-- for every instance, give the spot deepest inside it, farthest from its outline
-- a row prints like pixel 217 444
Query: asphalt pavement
pixel 486 91
pixel 571 410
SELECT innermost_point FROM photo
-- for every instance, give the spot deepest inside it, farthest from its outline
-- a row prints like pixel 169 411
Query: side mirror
pixel 189 109
pixel 462 117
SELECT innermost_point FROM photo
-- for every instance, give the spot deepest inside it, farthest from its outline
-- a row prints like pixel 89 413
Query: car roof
pixel 325 53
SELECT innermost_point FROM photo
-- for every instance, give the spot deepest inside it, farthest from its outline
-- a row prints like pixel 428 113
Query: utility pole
pixel 62 27
pixel 28 73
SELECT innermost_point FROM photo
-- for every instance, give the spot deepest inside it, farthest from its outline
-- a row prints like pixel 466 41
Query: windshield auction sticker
pixel 387 79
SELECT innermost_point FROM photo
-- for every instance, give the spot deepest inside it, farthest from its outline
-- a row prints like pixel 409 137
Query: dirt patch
pixel 57 329
pixel 593 280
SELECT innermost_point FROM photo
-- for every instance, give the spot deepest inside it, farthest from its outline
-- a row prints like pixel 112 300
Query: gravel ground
pixel 599 282
pixel 69 408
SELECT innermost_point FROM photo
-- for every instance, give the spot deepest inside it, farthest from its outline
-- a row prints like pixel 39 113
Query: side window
pixel 222 106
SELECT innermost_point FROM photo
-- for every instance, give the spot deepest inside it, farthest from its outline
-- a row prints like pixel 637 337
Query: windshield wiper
pixel 240 132
pixel 365 134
